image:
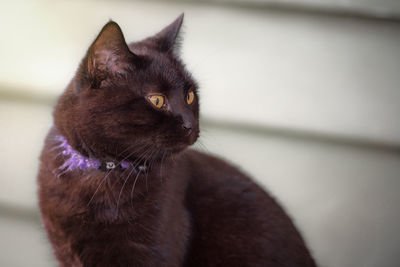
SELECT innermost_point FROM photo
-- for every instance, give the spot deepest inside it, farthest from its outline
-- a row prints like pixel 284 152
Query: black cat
pixel 118 186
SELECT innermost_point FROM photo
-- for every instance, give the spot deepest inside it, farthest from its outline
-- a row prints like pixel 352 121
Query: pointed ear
pixel 107 57
pixel 167 40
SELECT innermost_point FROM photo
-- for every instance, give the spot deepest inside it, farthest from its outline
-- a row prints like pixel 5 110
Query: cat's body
pixel 171 206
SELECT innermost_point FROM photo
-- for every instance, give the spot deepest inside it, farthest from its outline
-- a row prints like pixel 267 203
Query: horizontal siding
pixel 281 69
pixel 376 8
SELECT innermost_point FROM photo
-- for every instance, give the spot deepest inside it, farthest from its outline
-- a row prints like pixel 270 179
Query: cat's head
pixel 129 100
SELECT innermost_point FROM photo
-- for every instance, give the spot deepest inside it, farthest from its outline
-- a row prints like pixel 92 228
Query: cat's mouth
pixel 182 143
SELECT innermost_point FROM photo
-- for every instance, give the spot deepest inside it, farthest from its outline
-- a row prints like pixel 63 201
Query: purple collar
pixel 74 160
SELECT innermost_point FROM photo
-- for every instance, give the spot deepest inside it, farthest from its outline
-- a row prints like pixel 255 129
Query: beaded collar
pixel 74 160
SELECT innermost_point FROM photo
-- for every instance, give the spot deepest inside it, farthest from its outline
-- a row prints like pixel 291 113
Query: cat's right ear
pixel 107 58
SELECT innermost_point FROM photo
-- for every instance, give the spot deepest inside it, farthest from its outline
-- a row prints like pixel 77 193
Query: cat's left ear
pixel 167 40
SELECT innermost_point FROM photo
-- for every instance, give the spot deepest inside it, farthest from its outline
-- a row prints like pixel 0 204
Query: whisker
pixel 149 167
pixel 136 162
pixel 161 167
pixel 200 143
pixel 120 193
pixel 137 176
pixel 98 187
pixel 138 149
pixel 128 148
pixel 145 148
pixel 133 186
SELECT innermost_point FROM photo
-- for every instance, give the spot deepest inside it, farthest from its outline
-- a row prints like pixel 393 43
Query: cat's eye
pixel 157 100
pixel 190 97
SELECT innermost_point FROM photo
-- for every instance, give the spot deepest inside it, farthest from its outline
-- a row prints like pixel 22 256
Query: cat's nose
pixel 187 127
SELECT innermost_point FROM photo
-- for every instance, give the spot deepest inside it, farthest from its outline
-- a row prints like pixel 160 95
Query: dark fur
pixel 189 209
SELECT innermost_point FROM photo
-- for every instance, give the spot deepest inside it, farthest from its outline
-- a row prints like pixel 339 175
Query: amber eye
pixel 190 97
pixel 157 100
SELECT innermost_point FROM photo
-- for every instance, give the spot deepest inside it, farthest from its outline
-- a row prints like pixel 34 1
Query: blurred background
pixel 303 95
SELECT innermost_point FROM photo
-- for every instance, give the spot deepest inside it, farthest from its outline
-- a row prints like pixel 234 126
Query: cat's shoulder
pixel 213 173
pixel 209 163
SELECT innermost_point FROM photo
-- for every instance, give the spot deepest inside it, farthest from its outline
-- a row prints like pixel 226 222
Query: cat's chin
pixel 177 149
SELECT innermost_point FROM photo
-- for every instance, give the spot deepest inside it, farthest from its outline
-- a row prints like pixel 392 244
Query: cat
pixel 118 185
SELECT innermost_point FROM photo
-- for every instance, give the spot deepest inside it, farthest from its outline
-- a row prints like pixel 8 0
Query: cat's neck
pixel 73 160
